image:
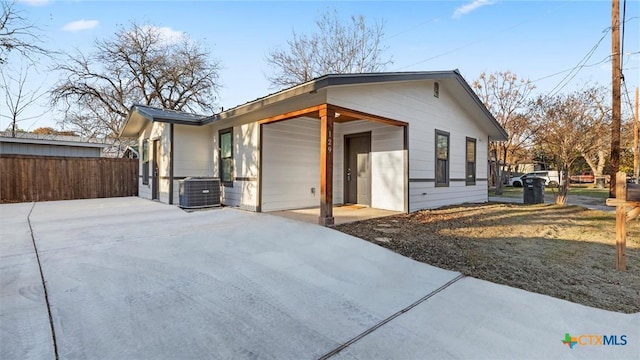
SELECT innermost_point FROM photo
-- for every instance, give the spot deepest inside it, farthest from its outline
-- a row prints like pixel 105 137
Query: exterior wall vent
pixel 199 192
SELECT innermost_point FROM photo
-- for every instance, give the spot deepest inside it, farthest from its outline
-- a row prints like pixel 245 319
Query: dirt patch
pixel 565 252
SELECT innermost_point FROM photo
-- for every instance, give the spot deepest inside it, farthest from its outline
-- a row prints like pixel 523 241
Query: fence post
pixel 621 221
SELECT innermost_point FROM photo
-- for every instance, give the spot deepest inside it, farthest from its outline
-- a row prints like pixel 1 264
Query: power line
pixel 607 58
pixel 579 66
pixel 626 92
pixel 411 28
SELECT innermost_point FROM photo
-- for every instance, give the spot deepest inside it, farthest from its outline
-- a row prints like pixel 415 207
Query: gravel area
pixel 565 252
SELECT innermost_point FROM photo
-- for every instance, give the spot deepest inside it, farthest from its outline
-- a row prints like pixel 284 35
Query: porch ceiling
pixel 342 115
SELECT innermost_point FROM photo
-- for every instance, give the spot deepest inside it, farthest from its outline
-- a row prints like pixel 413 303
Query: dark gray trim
pixel 475 160
pixel 220 164
pixel 345 156
pixel 325 81
pixel 167 116
pixel 433 180
pixel 171 139
pixel 155 185
pixel 246 179
pixel 480 104
pixel 145 165
pixel 260 139
pixel 176 178
pixel 312 86
pixel 448 169
pixel 406 169
pixel 481 179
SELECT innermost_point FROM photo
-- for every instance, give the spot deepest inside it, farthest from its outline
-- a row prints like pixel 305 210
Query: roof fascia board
pixel 178 122
pixel 325 81
pixel 139 110
pixel 484 109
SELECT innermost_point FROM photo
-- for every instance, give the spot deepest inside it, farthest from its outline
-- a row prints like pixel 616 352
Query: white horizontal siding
pixel 144 191
pixel 414 103
pixel 387 163
pixel 424 195
pixel 193 152
pixel 291 164
pixel 244 192
pixel 151 132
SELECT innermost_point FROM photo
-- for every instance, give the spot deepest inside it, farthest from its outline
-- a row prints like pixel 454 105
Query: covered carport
pixel 313 142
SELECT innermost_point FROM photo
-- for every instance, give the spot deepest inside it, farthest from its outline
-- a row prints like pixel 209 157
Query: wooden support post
pixel 327 116
pixel 621 221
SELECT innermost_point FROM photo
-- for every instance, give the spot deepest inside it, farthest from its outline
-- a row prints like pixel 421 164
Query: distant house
pixel 49 145
pixel 398 141
pixel 131 152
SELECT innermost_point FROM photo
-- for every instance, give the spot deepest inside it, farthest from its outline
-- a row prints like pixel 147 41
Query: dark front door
pixel 155 192
pixel 357 169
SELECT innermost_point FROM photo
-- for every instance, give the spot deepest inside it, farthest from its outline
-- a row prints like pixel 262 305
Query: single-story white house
pixel 400 141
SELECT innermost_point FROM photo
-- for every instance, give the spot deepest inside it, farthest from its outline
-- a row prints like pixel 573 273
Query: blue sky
pixel 539 40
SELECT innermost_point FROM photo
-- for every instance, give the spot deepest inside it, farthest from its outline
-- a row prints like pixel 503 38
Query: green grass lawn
pixel 581 190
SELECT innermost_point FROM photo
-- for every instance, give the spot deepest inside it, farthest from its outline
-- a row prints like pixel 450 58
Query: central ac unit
pixel 199 192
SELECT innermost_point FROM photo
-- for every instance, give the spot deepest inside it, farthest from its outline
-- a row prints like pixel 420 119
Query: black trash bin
pixel 533 190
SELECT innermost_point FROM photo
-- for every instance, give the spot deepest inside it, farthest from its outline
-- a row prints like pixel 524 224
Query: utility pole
pixel 614 159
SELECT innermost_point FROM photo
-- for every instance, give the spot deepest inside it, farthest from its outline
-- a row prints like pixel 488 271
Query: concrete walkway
pixel 341 214
pixel 135 279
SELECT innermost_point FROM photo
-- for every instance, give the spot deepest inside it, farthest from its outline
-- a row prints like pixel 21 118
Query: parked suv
pixel 551 178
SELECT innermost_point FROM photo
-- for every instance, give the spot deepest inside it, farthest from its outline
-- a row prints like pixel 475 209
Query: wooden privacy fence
pixel 45 178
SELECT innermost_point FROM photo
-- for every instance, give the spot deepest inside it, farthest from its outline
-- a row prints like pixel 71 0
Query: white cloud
pixel 167 34
pixel 34 2
pixel 467 8
pixel 80 25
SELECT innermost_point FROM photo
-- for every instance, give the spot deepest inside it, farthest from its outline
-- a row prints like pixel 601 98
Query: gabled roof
pixel 138 114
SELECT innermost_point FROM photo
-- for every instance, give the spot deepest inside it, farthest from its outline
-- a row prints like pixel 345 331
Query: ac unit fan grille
pixel 196 192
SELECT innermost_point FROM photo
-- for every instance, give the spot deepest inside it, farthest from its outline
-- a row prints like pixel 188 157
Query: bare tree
pixel 506 96
pixel 596 156
pixel 572 126
pixel 18 34
pixel 336 48
pixel 51 131
pixel 17 97
pixel 137 65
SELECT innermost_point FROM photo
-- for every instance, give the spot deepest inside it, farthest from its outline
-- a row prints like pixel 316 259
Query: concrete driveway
pixel 130 278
